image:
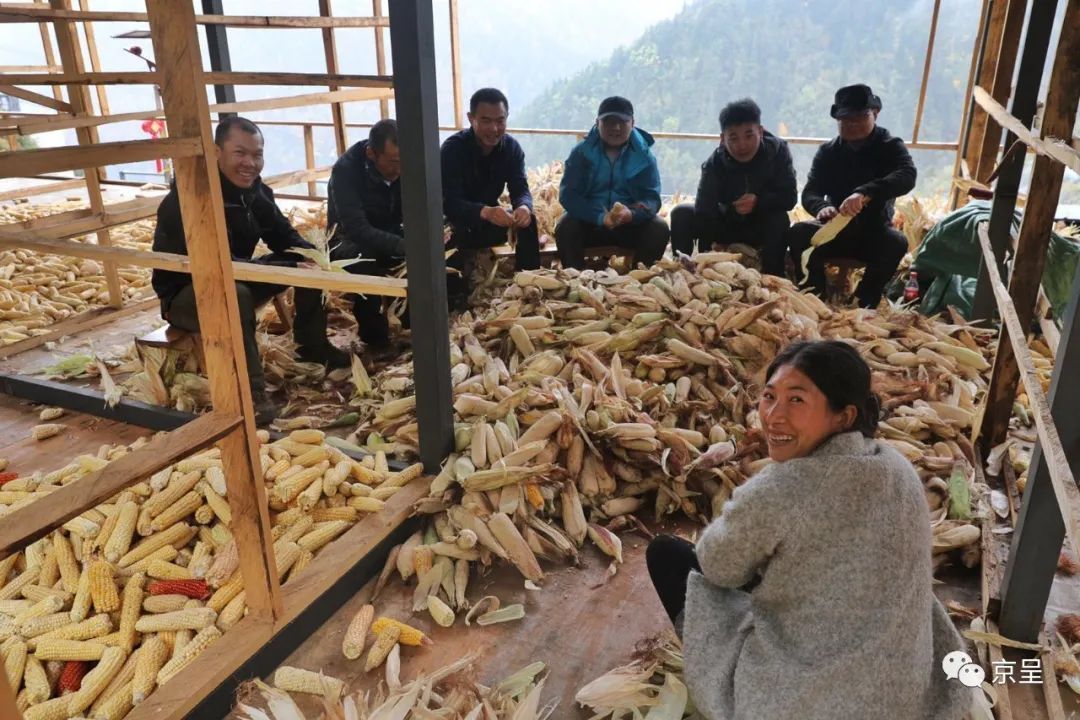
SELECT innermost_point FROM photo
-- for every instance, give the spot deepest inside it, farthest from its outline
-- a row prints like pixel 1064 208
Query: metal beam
pixel 412 42
pixel 1025 100
pixel 217 43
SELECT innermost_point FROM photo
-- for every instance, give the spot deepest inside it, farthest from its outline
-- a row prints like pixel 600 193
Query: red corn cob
pixel 71 676
pixel 197 589
pixel 7 476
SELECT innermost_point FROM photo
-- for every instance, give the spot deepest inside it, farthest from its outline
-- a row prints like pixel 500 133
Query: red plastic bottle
pixel 911 289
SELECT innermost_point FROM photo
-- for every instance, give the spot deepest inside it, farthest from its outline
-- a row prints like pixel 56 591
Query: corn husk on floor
pixel 650 686
pixel 130 592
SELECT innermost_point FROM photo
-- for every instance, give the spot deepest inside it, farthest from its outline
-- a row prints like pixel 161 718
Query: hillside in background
pixel 790 56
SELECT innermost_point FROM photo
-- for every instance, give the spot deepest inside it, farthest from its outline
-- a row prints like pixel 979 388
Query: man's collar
pixel 233 192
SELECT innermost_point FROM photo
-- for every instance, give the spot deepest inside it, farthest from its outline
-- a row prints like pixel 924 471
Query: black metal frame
pixel 217 43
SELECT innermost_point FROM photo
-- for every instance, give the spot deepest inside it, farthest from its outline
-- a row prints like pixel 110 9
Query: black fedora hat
pixel 854 99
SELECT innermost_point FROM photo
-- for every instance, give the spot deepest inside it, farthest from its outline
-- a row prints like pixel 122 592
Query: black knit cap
pixel 617 106
pixel 852 99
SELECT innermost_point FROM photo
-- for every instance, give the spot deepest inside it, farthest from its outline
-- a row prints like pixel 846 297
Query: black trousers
pixel 670 560
pixel 372 325
pixel 881 247
pixel 764 231
pixel 467 240
pixel 648 240
pixel 309 325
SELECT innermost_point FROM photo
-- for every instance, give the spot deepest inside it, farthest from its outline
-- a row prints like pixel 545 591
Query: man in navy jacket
pixel 477 165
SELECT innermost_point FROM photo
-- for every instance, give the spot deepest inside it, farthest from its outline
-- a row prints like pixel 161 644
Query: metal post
pixel 217 43
pixel 1024 101
pixel 413 46
pixel 1033 556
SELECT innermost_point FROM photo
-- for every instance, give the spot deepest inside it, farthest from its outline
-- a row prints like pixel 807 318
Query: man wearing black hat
pixel 857 174
pixel 610 190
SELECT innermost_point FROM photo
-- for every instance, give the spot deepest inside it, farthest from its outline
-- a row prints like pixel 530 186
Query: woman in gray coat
pixel 810 596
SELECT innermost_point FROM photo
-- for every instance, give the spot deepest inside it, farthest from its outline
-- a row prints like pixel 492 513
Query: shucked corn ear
pixel 356 635
pixel 385 640
pixel 409 635
pixel 291 679
pixel 46 431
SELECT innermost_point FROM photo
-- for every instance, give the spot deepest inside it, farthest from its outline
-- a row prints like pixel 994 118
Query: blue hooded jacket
pixel 591 184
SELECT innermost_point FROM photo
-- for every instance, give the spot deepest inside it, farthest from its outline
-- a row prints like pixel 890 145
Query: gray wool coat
pixel 843 623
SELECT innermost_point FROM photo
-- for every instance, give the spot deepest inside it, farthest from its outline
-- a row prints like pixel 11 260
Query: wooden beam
pixel 1050 145
pixel 983 161
pixel 988 47
pixel 211 78
pixel 309 155
pixel 246 271
pixel 33 162
pixel 50 53
pixel 183 92
pixel 1065 489
pixel 455 65
pixel 960 165
pixel 68 77
pixel 81 322
pixel 380 55
pixel 95 61
pixel 84 220
pixel 44 189
pixel 925 72
pixel 36 98
pixel 37 519
pixel 341 132
pixel 10 14
pixel 297 177
pixel 30 68
pixel 179 697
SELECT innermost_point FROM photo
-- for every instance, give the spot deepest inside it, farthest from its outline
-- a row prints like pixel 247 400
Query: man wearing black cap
pixel 610 190
pixel 857 174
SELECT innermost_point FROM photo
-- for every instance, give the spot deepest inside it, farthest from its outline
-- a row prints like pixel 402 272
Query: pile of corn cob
pixel 38 290
pixel 98 613
pixel 584 398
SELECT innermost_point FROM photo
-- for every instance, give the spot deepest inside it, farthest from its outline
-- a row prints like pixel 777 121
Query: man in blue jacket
pixel 364 205
pixel 747 186
pixel 477 164
pixel 610 190
pixel 857 174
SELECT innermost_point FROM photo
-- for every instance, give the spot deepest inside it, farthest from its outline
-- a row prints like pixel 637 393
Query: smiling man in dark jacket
pixel 365 209
pixel 250 215
pixel 858 174
pixel 477 165
pixel 747 186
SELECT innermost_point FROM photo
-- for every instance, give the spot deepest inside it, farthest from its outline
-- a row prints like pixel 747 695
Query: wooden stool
pixel 607 253
pixel 838 278
pixel 170 337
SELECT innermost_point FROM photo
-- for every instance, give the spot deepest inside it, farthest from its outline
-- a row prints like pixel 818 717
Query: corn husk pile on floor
pixel 125 595
pixel 38 290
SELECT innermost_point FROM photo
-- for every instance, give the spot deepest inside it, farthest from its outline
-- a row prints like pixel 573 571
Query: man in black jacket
pixel 747 186
pixel 250 215
pixel 857 174
pixel 365 208
pixel 477 164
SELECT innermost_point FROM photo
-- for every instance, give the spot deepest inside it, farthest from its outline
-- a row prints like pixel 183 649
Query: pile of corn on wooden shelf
pixel 98 613
pixel 38 290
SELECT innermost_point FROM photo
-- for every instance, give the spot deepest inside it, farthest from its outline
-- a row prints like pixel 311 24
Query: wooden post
pixel 455 64
pixel 380 56
pixel 988 142
pixel 1059 115
pixel 172 25
pixel 8 709
pixel 965 122
pixel 50 54
pixel 926 71
pixel 79 98
pixel 95 60
pixel 309 156
pixel 341 132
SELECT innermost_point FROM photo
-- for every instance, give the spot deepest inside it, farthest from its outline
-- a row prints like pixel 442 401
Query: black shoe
pixel 266 410
pixel 327 355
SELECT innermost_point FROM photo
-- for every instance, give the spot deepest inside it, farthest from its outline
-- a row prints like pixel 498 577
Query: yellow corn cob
pixel 186 619
pixel 46 431
pixel 365 474
pixel 55 709
pixel 189 652
pixel 142 524
pixel 7 565
pixel 285 555
pixel 218 504
pixel 275 470
pixel 180 640
pixel 312 457
pixel 366 504
pixel 322 534
pixel 167 553
pixel 204 514
pixel 162 570
pixel 404 477
pixel 201 559
pixel 36 681
pixel 103 587
pixel 178 533
pixel 385 640
pixel 14 588
pixel 422 560
pixel 65 559
pixel 176 512
pixel 54 649
pixel 50 571
pixel 89 629
pixel 336 513
pixel 384 493
pixel 176 489
pixel 307 436
pixel 226 592
pixel 153 654
pixel 310 495
pixel 291 679
pixel 298 529
pixel 116 704
pixel 119 541
pixel 440 611
pixel 122 678
pixel 200 462
pixel 409 635
pixel 334 477
pixel 288 489
pixel 306 557
pixel 15 654
pixel 37 592
pixel 45 606
pixel 233 612
pixel 164 603
pixel 356 635
pixel 96 680
pixel 45 624
pixel 131 609
pixel 225 564
pixel 80 606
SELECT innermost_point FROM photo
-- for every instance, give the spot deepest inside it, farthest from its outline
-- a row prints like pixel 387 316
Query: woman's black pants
pixel 670 560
